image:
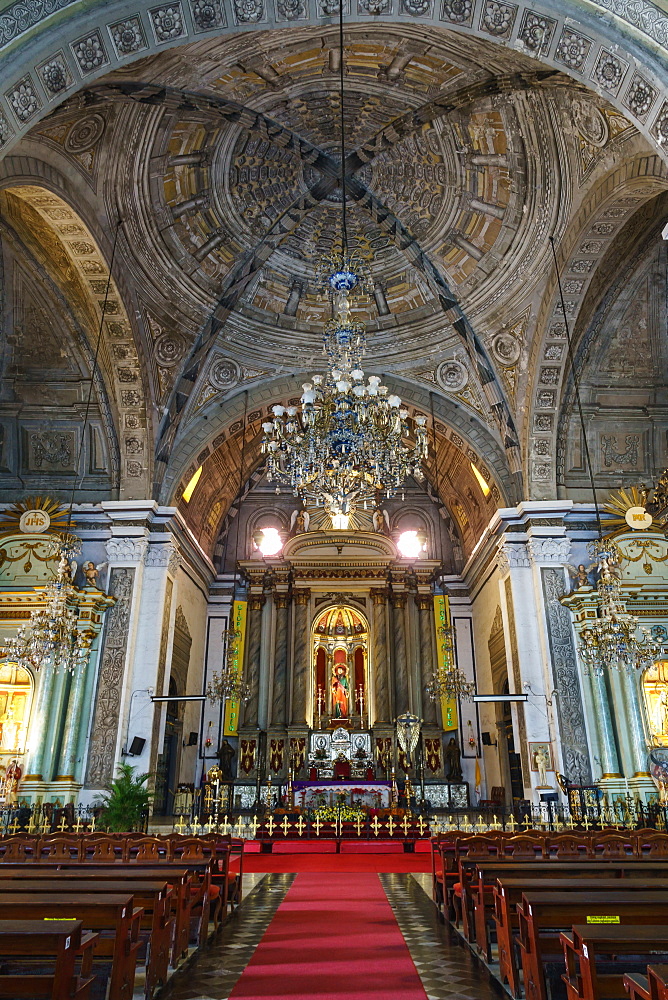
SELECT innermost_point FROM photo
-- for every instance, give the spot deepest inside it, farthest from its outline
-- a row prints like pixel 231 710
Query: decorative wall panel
pixel 566 678
pixel 104 733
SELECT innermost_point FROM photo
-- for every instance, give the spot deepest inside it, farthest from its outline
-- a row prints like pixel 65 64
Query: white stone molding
pixel 126 550
pixel 550 551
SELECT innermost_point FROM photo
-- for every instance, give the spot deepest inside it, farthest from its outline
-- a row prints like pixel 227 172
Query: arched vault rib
pixel 287 223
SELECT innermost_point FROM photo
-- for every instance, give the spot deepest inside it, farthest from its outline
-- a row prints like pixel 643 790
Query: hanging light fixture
pixel 347 443
pixel 448 681
pixel 614 640
pixel 52 639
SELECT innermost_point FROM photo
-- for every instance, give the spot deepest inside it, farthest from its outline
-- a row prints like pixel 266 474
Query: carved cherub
pixel 91 573
pixel 580 574
pixel 66 569
pixel 381 521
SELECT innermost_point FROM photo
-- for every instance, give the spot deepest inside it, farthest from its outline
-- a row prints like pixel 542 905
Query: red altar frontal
pixel 369 794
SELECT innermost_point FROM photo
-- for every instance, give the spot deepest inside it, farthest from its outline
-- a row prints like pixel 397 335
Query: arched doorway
pixel 340 665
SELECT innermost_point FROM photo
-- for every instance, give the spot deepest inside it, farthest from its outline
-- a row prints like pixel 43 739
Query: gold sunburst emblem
pixel 626 509
pixel 35 515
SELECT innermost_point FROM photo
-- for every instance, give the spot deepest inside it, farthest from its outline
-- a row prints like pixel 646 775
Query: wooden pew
pixel 508 894
pixel 653 986
pixel 179 880
pixel 154 898
pixel 477 880
pixel 62 941
pixel 113 916
pixel 544 915
pixel 586 944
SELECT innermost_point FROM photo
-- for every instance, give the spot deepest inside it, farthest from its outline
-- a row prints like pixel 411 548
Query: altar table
pixel 372 794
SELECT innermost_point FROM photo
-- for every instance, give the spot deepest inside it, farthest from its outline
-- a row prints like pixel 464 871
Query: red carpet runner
pixel 334 937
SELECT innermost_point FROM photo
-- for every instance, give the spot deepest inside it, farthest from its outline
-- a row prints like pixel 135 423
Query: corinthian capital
pixel 550 550
pixel 126 550
pixel 511 555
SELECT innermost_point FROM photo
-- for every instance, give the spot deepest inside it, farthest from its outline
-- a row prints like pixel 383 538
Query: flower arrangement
pixel 348 814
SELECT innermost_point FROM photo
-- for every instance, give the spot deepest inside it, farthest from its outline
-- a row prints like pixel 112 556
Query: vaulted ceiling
pixel 221 160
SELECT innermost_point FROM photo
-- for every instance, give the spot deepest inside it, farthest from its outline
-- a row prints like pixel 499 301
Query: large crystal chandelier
pixel 348 442
pixel 449 681
pixel 228 684
pixel 614 640
pixel 52 639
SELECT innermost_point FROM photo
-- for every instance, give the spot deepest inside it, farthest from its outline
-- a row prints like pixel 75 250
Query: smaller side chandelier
pixel 614 640
pixel 449 681
pixel 52 639
pixel 229 685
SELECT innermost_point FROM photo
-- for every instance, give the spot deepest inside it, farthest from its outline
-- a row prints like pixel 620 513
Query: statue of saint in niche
pixel 453 763
pixel 340 692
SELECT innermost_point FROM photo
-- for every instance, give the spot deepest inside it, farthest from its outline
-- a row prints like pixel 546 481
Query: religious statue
pixel 381 521
pixel 340 692
pixel 225 757
pixel 299 522
pixel 453 763
pixel 91 573
pixel 541 759
pixel 9 730
pixel 580 574
pixel 10 786
pixel 660 714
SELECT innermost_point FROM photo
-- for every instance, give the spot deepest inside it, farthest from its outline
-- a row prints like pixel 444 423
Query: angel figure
pixel 580 574
pixel 91 573
pixel 381 521
pixel 66 569
pixel 299 522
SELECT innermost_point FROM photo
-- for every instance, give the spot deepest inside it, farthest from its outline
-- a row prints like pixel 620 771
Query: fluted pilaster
pixel 380 658
pixel 301 658
pixel 278 712
pixel 427 654
pixel 255 605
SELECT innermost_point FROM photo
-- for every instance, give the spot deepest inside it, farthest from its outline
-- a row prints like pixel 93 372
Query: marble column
pixel 300 684
pixel 255 605
pixel 427 654
pixel 380 658
pixel 38 723
pixel 607 746
pixel 401 702
pixel 278 712
pixel 636 730
pixel 67 765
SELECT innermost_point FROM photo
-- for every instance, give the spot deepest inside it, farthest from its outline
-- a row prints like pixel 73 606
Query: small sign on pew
pixel 606 919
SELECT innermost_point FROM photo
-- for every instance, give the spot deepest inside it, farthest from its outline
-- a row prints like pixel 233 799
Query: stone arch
pixel 42 210
pixel 614 201
pixel 461 439
pixel 634 264
pixel 86 45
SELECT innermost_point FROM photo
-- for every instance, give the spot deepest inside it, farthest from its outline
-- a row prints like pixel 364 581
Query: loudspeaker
pixel 136 746
pixel 192 740
pixel 487 740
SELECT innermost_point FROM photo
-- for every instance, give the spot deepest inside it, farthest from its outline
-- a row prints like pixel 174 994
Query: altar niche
pixel 340 657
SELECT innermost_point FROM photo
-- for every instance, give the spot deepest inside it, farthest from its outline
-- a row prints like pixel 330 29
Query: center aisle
pixel 333 936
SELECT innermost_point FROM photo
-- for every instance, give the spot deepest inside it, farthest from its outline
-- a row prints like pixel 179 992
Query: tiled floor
pixel 446 967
